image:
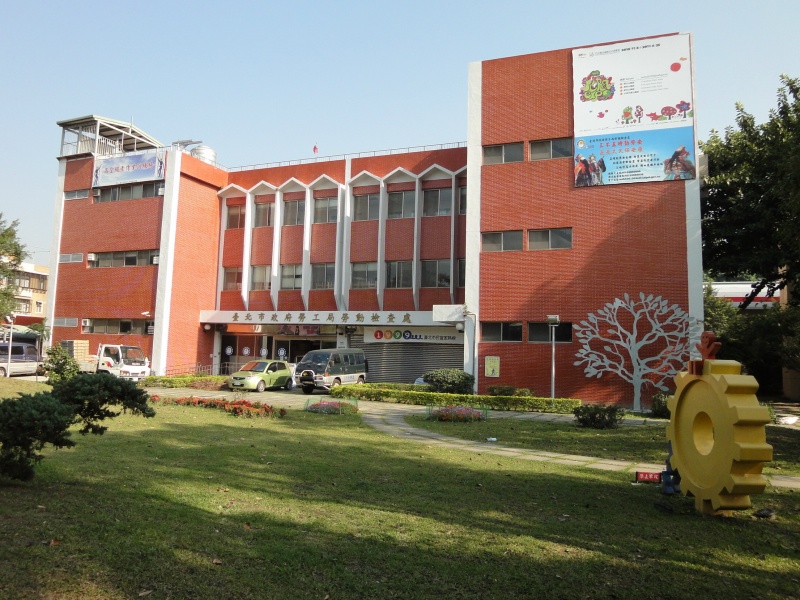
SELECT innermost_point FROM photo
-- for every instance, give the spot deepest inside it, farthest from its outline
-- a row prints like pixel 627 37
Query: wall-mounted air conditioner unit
pixel 96 192
pixel 161 191
pixel 86 322
pixel 155 260
pixel 91 257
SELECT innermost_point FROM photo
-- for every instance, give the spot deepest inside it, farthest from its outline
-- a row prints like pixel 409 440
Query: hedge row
pixel 197 382
pixel 382 393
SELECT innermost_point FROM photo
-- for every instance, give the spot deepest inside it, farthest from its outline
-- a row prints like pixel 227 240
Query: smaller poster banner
pixel 405 335
pixel 130 168
pixel 491 366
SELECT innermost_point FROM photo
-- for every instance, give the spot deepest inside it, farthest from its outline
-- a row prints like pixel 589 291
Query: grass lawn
pixel 645 443
pixel 11 387
pixel 197 504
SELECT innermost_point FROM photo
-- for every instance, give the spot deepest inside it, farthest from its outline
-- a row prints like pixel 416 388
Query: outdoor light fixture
pixel 207 326
pixel 459 327
pixel 552 322
pixel 146 313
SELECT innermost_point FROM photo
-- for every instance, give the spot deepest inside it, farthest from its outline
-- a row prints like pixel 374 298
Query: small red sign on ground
pixel 647 477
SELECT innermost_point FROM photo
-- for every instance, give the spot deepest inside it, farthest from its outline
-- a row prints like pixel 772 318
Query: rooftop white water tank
pixel 204 153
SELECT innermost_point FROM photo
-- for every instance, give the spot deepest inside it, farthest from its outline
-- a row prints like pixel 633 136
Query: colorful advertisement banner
pixel 405 335
pixel 633 112
pixel 129 169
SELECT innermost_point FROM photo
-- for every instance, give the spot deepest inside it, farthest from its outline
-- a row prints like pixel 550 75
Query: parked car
pixel 328 367
pixel 262 374
pixel 25 359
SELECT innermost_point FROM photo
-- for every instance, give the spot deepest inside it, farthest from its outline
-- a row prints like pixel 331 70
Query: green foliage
pixel 507 390
pixel 238 408
pixel 751 200
pixel 326 407
pixel 28 423
pixel 450 381
pixel 91 394
pixel 59 365
pixel 719 314
pixel 597 416
pixel 457 414
pixel 406 394
pixel 658 406
pixel 13 253
pixel 197 382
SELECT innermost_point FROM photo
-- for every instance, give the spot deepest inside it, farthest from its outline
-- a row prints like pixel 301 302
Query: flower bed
pixel 457 414
pixel 237 408
pixel 328 407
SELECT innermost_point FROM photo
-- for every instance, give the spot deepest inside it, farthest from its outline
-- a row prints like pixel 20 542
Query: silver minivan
pixel 25 359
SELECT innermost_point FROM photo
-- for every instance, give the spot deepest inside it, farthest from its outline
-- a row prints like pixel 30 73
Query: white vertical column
pixel 249 208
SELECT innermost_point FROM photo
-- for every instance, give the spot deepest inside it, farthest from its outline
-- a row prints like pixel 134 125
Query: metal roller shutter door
pixel 404 362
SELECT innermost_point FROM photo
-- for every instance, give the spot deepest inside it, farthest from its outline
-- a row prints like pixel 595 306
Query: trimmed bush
pixel 59 365
pixel 406 394
pixel 237 408
pixel 456 414
pixel 658 406
pixel 326 407
pixel 450 381
pixel 196 382
pixel 598 416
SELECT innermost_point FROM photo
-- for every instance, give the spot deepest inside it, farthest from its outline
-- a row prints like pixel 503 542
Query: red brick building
pixel 206 266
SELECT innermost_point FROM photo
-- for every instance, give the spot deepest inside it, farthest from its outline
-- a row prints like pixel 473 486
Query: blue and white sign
pixel 130 168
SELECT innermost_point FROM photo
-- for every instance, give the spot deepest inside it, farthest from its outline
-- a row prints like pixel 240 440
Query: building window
pixel 235 217
pixel 259 278
pixel 130 192
pixel 294 212
pixel 232 279
pixel 39 307
pixel 401 205
pixel 540 333
pixel 435 273
pixel 503 153
pixel 291 277
pixel 366 208
pixel 550 239
pixel 365 275
pixel 399 274
pixel 23 306
pixel 437 203
pixel 502 241
pixel 70 258
pixel 462 272
pixel 128 258
pixel 462 200
pixel 325 210
pixel 501 332
pixel 322 276
pixel 264 215
pixel 123 326
pixel 558 148
pixel 76 194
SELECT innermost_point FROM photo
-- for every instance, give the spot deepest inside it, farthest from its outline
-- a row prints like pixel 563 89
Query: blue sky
pixel 265 81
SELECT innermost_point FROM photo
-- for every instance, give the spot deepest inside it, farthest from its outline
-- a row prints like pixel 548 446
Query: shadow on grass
pixel 314 506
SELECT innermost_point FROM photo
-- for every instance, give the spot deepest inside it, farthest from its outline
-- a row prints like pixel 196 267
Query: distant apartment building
pixel 30 281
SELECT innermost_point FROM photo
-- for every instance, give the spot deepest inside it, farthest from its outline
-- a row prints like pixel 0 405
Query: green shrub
pixel 407 394
pixel 501 390
pixel 59 365
pixel 197 382
pixel 28 423
pixel 597 416
pixel 450 381
pixel 658 406
pixel 456 414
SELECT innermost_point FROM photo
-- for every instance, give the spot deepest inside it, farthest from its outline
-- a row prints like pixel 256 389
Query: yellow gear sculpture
pixel 718 436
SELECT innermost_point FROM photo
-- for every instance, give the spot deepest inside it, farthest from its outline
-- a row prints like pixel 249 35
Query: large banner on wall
pixel 130 168
pixel 633 111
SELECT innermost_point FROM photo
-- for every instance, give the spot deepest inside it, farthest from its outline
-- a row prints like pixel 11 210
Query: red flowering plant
pixel 457 414
pixel 328 407
pixel 237 408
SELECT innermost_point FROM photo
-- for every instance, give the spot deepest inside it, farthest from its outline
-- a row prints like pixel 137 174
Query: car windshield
pixel 254 366
pixel 316 359
pixel 132 353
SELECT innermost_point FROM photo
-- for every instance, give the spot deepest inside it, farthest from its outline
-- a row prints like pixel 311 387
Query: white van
pixel 25 360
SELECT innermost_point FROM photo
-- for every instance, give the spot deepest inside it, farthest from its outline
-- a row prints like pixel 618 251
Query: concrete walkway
pixel 390 419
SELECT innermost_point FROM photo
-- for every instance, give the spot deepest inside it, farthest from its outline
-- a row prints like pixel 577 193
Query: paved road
pixel 390 418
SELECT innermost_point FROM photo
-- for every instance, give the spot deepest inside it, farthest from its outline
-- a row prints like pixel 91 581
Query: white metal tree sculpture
pixel 642 341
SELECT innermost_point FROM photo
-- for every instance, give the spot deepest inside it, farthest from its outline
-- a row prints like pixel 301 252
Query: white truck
pixel 127 362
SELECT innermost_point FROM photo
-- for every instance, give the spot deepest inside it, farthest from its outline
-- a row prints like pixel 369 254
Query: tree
pixel 30 422
pixel 12 253
pixel 719 315
pixel 59 365
pixel 751 199
pixel 644 341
